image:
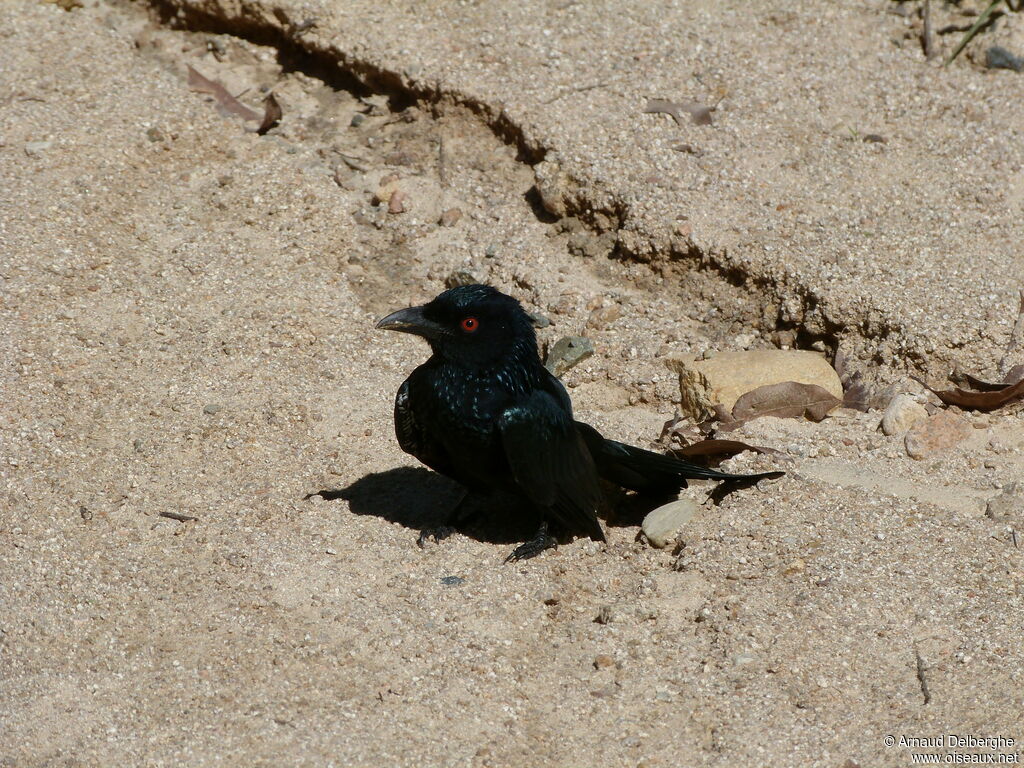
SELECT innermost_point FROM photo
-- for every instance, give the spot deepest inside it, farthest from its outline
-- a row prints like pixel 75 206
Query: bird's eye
pixel 469 324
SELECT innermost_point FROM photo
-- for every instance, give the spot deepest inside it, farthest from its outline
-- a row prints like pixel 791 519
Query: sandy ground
pixel 188 315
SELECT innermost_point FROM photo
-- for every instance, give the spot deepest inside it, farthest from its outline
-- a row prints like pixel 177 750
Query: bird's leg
pixel 456 517
pixel 542 540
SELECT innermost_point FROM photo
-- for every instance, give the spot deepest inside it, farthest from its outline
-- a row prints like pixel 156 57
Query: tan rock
pixel 661 525
pixel 902 413
pixel 729 375
pixel 937 434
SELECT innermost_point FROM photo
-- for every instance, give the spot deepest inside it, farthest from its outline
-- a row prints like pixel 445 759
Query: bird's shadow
pixel 422 500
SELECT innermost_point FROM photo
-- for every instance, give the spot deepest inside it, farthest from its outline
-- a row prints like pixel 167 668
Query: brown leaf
pixel 1013 375
pixel 204 85
pixel 670 430
pixel 272 114
pixel 723 448
pixel 978 401
pixel 839 363
pixel 699 113
pixel 788 400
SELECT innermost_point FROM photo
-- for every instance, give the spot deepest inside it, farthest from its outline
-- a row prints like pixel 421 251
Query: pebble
pixel 396 203
pixel 902 413
pixel 568 352
pixel 998 57
pixel 36 148
pixel 602 317
pixel 357 119
pixel 212 408
pixel 661 524
pixel 538 320
pixel 603 661
pixel 937 434
pixel 450 217
pixel 452 581
pixel 1008 506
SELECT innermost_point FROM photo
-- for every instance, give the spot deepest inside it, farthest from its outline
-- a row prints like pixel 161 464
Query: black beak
pixel 411 320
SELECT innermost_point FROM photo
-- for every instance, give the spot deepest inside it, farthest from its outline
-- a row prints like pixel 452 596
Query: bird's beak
pixel 411 320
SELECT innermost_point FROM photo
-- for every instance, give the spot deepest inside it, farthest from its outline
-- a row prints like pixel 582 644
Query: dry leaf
pixel 272 114
pixel 1013 375
pixel 718 448
pixel 699 113
pixel 788 400
pixel 204 85
pixel 979 401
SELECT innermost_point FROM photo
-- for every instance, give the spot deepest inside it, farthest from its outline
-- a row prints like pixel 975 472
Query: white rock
pixel 902 413
pixel 661 524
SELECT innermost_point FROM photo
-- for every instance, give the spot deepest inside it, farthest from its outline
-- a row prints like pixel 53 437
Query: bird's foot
pixel 437 534
pixel 541 541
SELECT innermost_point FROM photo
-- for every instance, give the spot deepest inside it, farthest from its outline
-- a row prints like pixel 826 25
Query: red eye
pixel 469 324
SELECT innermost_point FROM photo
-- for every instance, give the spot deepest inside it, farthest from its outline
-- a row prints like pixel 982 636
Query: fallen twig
pixel 926 31
pixel 177 516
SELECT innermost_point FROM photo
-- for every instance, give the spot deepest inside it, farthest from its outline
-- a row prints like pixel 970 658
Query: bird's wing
pixel 550 462
pixel 415 440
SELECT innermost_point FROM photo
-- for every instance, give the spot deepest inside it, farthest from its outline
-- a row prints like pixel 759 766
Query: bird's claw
pixel 534 546
pixel 437 534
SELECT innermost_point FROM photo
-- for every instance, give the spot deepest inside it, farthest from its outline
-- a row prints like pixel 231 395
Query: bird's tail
pixel 648 472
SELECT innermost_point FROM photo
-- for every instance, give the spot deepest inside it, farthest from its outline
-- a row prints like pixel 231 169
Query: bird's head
pixel 475 326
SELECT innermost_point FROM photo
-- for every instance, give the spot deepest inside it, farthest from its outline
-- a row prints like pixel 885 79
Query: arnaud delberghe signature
pixel 951 740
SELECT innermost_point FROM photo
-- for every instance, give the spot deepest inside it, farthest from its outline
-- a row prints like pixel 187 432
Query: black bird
pixel 484 411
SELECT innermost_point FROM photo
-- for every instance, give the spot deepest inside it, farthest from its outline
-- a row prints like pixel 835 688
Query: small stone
pixel 330 551
pixel 212 409
pixel 154 134
pixel 998 57
pixel 85 513
pixel 1008 506
pixel 796 566
pixel 602 317
pixel 396 203
pixel 902 413
pixel 661 524
pixel 937 434
pixel 743 659
pixel 604 615
pixel 873 138
pixel 451 217
pixel 36 148
pixel 538 320
pixel 603 661
pixel 452 581
pixel 568 352
pixel 357 119
pixel 460 277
